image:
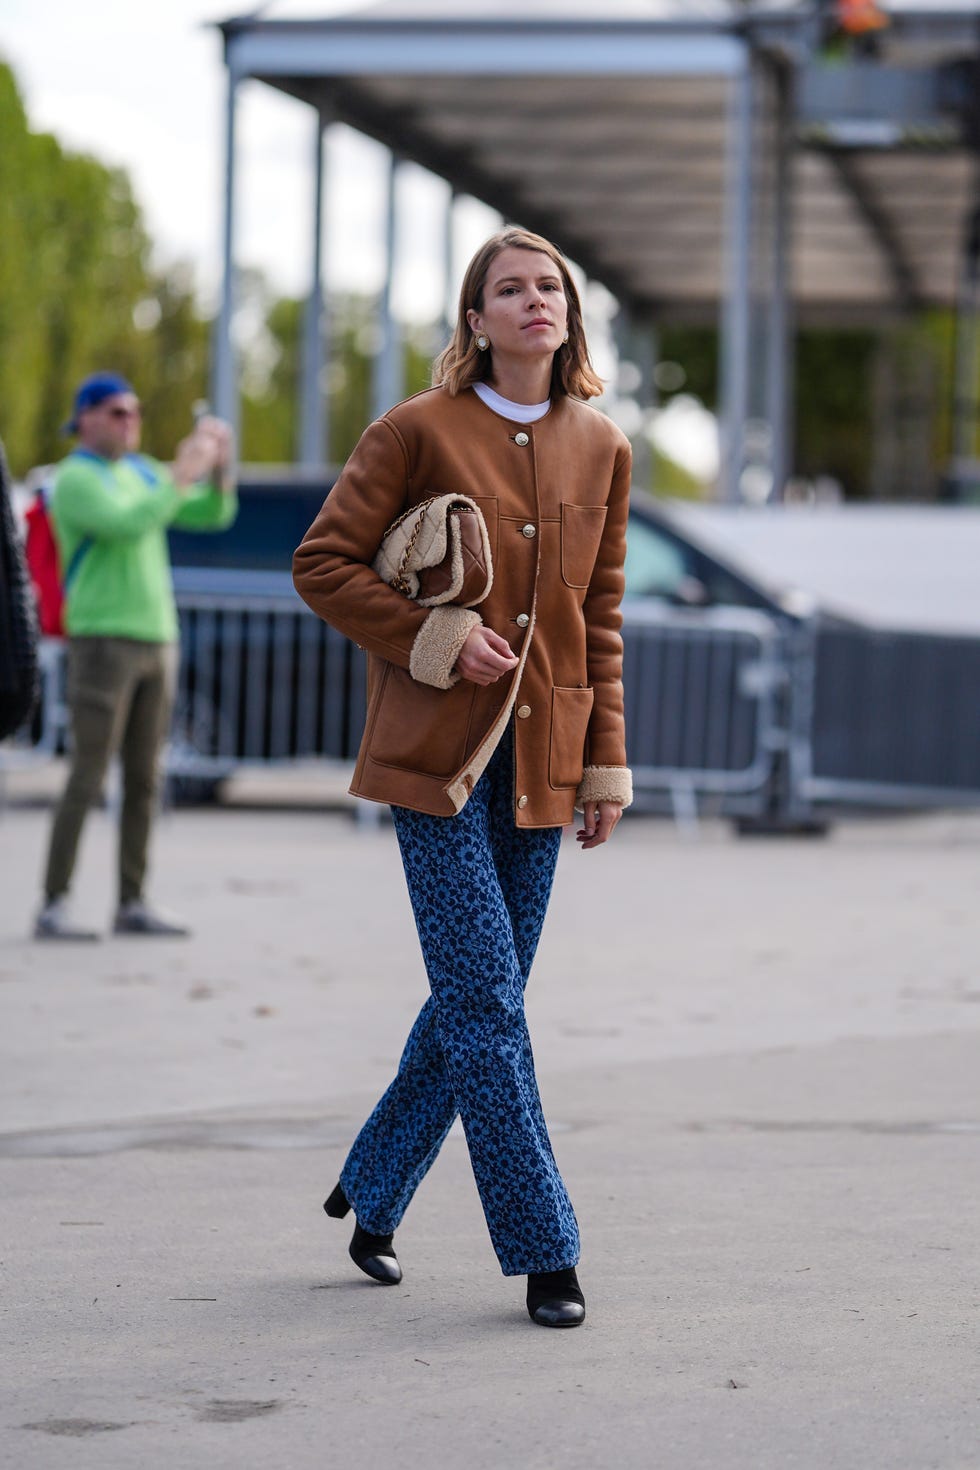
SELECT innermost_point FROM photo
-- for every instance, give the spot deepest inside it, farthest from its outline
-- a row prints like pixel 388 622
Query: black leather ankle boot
pixel 374 1254
pixel 554 1298
pixel 376 1257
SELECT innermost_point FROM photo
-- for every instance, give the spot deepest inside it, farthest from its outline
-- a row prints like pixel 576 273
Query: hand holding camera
pixel 206 453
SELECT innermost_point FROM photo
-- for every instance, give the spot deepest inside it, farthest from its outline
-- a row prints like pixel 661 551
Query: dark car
pixel 742 696
pixel 262 679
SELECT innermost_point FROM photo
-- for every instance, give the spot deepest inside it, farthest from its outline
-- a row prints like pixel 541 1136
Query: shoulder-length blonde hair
pixel 462 363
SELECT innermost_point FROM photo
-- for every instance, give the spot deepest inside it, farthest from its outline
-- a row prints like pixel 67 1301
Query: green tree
pixel 78 293
pixel 271 370
pixel 840 413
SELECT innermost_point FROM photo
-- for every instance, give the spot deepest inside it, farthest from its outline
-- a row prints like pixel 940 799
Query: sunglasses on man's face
pixel 124 413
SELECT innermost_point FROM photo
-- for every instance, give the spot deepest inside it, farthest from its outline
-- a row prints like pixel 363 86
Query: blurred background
pixel 774 213
pixel 114 187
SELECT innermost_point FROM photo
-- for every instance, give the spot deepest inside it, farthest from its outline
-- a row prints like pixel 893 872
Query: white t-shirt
pixel 521 413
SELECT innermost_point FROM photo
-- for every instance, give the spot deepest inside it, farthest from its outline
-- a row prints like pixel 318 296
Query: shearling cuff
pixel 605 783
pixel 438 644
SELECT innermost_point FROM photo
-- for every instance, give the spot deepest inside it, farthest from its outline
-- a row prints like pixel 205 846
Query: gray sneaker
pixel 55 922
pixel 136 917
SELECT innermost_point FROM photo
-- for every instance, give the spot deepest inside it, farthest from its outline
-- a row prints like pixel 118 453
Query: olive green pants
pixel 120 698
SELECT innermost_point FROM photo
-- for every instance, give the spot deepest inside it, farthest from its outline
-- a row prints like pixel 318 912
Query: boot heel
pixel 338 1205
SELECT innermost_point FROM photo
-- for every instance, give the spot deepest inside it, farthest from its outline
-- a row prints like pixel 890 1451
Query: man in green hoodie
pixel 111 508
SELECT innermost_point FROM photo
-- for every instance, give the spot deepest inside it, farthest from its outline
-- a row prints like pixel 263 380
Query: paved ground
pixel 761 1061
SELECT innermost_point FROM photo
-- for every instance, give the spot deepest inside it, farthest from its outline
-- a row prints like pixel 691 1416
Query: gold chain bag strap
pixel 438 551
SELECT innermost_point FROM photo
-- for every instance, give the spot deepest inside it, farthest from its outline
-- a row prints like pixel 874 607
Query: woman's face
pixel 524 310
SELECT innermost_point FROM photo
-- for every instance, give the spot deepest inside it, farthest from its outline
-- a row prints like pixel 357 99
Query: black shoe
pixel 376 1257
pixel 374 1254
pixel 554 1298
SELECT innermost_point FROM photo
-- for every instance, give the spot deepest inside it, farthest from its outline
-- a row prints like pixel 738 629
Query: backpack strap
pixel 142 467
pixel 77 557
pixel 138 462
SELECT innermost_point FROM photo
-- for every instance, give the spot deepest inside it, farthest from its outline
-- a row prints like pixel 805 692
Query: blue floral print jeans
pixel 479 887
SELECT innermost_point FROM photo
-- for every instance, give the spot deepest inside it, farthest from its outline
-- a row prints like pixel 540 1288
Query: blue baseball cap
pixel 92 391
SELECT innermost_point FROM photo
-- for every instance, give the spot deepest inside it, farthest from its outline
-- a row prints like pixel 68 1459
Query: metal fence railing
pixel 894 719
pixel 727 706
pixel 704 699
pixel 263 680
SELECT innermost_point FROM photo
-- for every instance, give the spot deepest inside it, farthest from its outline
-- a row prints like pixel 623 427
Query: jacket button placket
pixel 529 532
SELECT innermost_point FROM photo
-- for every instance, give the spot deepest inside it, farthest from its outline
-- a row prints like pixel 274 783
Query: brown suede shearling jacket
pixel 554 495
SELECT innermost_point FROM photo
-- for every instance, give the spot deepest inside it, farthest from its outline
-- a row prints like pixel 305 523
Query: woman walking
pixel 485 730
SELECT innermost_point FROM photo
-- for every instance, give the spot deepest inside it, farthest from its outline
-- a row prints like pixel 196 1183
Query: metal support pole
pixel 224 386
pixel 965 414
pixel 387 386
pixel 646 354
pixel 449 267
pixel 736 327
pixel 313 400
pixel 779 364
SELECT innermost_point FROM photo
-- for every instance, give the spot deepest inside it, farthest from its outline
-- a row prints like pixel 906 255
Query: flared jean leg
pixel 401 1139
pixel 469 1048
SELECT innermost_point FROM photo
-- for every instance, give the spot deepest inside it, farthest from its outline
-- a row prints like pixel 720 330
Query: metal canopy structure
pixel 691 157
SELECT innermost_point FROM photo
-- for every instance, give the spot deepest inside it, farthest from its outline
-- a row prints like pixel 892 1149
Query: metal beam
pixel 736 327
pixel 313 400
pixel 510 47
pixel 387 379
pixel 399 128
pixel 780 355
pixel 449 303
pixel 224 384
pixel 896 259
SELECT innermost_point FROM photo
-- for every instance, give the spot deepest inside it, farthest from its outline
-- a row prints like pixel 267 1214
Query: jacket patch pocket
pixel 581 534
pixel 418 728
pixel 571 710
pixel 488 509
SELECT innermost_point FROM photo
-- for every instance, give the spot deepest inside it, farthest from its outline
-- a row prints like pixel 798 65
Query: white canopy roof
pixel 606 128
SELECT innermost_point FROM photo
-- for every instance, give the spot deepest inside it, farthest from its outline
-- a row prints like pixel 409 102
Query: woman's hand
pixel 600 819
pixel 485 656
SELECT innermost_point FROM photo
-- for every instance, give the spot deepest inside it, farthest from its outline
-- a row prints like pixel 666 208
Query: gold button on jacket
pixel 429 734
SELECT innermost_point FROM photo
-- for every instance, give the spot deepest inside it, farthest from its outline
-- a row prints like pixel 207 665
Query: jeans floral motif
pixel 479 887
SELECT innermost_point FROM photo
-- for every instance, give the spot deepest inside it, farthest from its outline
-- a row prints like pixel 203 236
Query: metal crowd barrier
pixel 262 680
pixel 890 718
pixel 705 706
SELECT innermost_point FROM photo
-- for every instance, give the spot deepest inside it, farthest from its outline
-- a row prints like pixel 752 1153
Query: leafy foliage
pixel 270 424
pixel 840 411
pixel 78 293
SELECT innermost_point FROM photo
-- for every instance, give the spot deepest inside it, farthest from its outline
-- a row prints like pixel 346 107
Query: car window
pixel 655 565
